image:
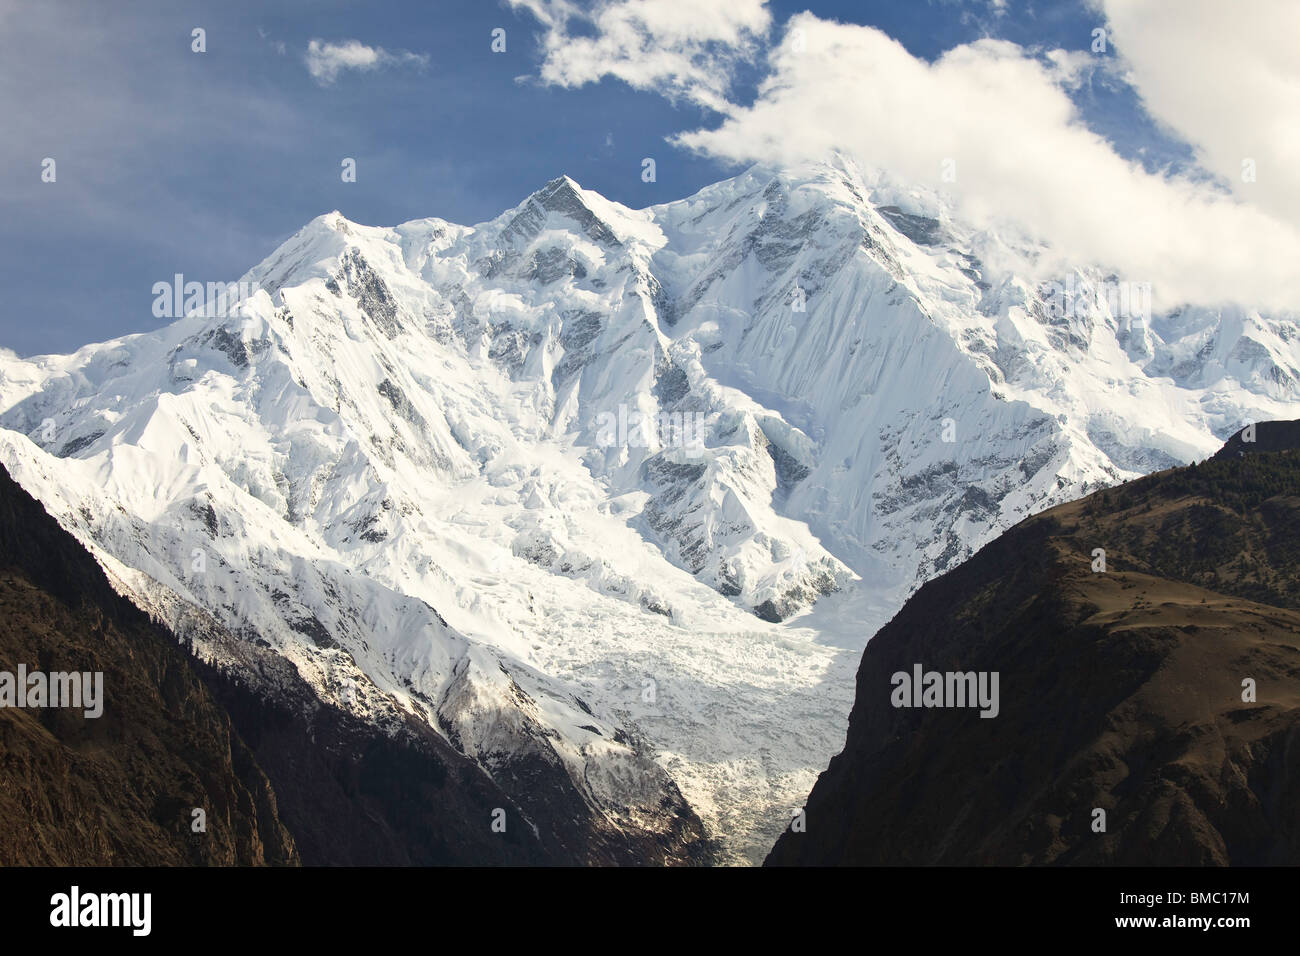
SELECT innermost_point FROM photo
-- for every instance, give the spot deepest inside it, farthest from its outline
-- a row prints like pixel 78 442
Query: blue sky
pixel 201 163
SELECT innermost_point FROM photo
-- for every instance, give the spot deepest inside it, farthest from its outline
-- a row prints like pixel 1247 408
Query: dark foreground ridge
pixel 283 779
pixel 119 789
pixel 1120 690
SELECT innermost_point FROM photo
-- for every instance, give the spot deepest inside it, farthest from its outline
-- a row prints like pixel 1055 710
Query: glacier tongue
pixel 622 491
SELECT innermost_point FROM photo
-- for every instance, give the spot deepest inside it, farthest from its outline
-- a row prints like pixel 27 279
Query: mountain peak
pixel 562 196
pixel 333 221
pixel 663 427
pixel 562 181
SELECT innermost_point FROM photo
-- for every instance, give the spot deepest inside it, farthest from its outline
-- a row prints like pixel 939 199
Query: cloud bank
pixel 998 119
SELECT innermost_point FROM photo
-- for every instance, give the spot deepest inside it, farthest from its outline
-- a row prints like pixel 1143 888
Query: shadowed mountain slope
pixel 1120 690
pixel 282 777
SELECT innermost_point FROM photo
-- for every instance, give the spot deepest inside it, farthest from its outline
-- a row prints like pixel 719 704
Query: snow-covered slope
pixel 623 491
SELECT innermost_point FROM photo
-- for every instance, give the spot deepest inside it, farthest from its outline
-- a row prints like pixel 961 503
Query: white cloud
pixel 1021 154
pixel 681 48
pixel 325 61
pixel 1226 78
pixel 1071 68
pixel 1002 114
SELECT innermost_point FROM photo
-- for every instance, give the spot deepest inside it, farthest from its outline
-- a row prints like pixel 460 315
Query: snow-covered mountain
pixel 621 491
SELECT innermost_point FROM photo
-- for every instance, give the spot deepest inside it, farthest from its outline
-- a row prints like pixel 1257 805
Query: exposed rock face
pixel 1120 690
